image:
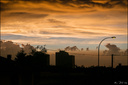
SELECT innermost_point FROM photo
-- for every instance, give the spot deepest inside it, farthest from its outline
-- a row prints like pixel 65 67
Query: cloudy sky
pixel 61 23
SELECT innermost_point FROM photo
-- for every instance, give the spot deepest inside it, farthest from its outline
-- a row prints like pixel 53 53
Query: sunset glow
pixel 61 23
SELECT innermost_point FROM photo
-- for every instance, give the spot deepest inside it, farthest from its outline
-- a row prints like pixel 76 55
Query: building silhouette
pixel 63 59
pixel 41 59
pixel 45 60
pixel 6 63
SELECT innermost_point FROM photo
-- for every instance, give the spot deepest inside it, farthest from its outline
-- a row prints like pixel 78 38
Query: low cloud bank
pixel 113 49
pixel 8 47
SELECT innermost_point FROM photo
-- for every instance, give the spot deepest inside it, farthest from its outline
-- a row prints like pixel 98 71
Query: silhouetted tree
pixel 20 56
pixel 20 59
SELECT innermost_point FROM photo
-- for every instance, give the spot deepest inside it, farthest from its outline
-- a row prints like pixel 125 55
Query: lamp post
pixel 99 47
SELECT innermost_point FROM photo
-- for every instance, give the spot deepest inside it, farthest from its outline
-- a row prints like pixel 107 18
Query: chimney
pixel 9 57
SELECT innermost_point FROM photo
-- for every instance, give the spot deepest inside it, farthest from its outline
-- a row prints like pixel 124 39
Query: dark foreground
pixel 65 76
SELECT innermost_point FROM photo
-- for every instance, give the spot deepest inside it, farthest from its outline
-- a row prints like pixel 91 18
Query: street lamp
pixel 99 47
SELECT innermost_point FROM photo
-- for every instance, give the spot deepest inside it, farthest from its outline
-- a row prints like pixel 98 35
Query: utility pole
pixel 112 61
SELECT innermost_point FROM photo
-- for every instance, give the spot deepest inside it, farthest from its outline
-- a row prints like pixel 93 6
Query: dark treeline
pixel 34 61
pixel 35 69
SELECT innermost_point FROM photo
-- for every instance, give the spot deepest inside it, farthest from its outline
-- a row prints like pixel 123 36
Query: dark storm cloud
pixel 55 21
pixel 27 15
pixel 80 3
pixel 122 3
pixel 3 6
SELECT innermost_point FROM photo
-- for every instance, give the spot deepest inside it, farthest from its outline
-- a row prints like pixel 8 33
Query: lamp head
pixel 113 37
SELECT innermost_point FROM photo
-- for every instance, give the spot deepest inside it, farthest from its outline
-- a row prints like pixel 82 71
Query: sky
pixel 62 23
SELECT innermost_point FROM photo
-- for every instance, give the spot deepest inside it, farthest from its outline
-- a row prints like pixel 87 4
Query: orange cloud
pixel 62 18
